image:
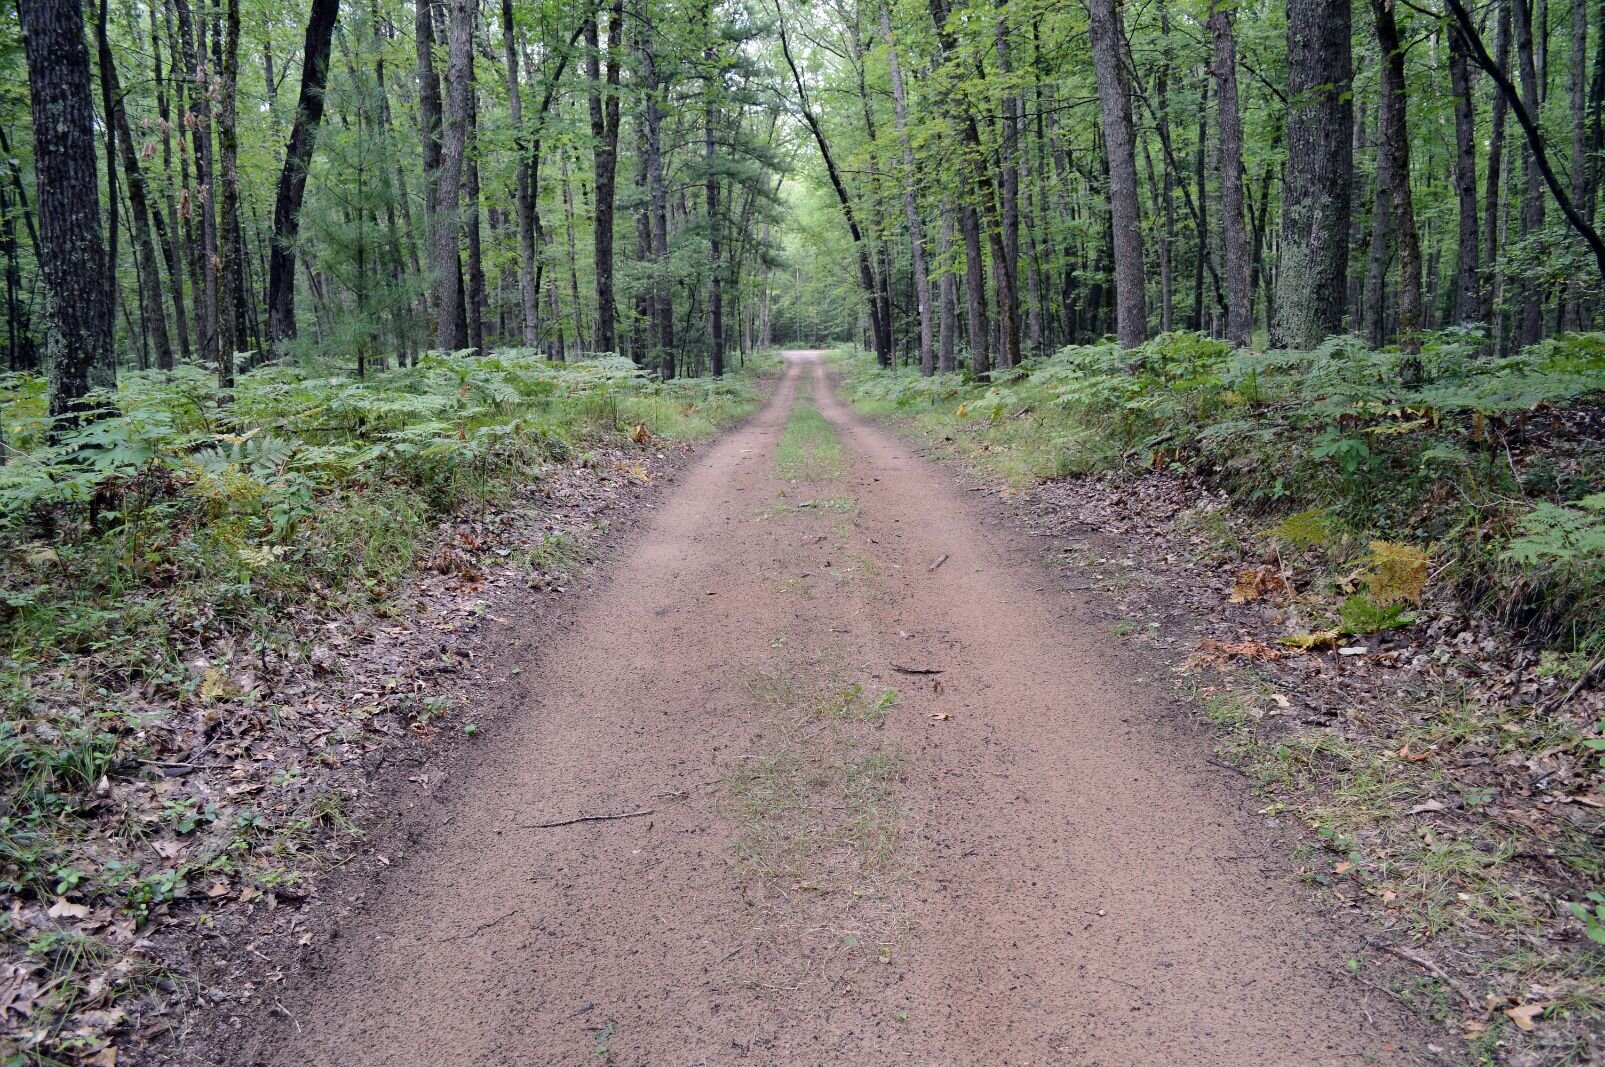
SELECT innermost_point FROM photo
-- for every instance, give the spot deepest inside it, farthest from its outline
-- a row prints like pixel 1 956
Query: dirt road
pixel 888 799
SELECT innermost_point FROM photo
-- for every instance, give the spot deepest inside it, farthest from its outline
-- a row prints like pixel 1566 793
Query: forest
pixel 325 317
pixel 676 185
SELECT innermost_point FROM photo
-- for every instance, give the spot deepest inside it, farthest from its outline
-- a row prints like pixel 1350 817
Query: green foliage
pixel 176 521
pixel 1323 442
pixel 1558 532
pixel 1592 915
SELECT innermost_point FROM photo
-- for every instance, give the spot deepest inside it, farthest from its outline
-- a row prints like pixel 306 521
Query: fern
pixel 1554 532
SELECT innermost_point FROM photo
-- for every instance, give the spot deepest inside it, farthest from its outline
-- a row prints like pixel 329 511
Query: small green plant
pixel 1359 614
pixel 1592 915
pixel 470 729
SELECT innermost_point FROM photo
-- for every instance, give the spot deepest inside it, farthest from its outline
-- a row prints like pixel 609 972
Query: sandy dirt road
pixel 1021 859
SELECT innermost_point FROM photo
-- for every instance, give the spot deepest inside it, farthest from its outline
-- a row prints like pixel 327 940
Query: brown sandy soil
pixel 1022 859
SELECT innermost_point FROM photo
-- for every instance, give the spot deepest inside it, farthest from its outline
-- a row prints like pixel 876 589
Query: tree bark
pixel 604 103
pixel 1392 120
pixel 911 211
pixel 1467 302
pixel 153 316
pixel 524 194
pixel 948 321
pixel 1312 276
pixel 1234 229
pixel 451 327
pixel 72 254
pixel 1131 310
pixel 231 312
pixel 293 175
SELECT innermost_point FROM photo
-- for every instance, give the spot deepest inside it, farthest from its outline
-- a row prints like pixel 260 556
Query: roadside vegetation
pixel 163 563
pixel 1439 548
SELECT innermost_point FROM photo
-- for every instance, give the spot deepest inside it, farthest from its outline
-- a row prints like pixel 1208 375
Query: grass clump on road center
pixel 809 450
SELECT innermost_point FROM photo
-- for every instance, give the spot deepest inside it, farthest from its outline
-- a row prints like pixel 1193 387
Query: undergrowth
pixel 178 526
pixel 1493 466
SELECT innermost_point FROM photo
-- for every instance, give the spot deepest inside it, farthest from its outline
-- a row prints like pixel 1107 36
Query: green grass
pixel 809 450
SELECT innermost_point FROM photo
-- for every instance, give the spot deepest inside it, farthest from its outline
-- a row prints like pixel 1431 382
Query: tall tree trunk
pixel 153 316
pixel 1312 276
pixel 1530 309
pixel 167 230
pixel 1009 167
pixel 524 193
pixel 1374 305
pixel 444 238
pixel 1467 301
pixel 1131 309
pixel 293 175
pixel 1492 291
pixel 475 278
pixel 657 197
pixel 604 102
pixel 1573 314
pixel 72 254
pixel 231 312
pixel 1391 118
pixel 975 318
pixel 911 211
pixel 1234 229
pixel 193 33
pixel 715 223
pixel 948 319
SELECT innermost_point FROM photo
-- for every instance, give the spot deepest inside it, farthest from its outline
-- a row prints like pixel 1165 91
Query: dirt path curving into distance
pixel 1021 859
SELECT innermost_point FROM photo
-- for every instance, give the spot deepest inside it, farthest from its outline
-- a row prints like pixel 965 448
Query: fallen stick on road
pixel 587 818
pixel 1431 968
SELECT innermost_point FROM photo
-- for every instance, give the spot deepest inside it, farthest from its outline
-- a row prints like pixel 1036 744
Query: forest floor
pixel 828 766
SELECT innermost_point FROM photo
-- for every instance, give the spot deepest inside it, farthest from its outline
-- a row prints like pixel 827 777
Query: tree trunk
pixel 911 211
pixel 451 325
pixel 975 291
pixel 293 175
pixel 1530 309
pixel 948 320
pixel 1234 230
pixel 715 223
pixel 524 193
pixel 231 312
pixel 139 212
pixel 657 197
pixel 471 225
pixel 1312 276
pixel 1467 300
pixel 1391 118
pixel 1131 313
pixel 604 102
pixel 72 254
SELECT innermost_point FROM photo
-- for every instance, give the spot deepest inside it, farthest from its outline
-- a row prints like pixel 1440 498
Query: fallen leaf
pixel 1524 1014
pixel 1281 701
pixel 1430 805
pixel 1253 583
pixel 219 888
pixel 66 909
pixel 1412 756
pixel 1311 642
pixel 1343 868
